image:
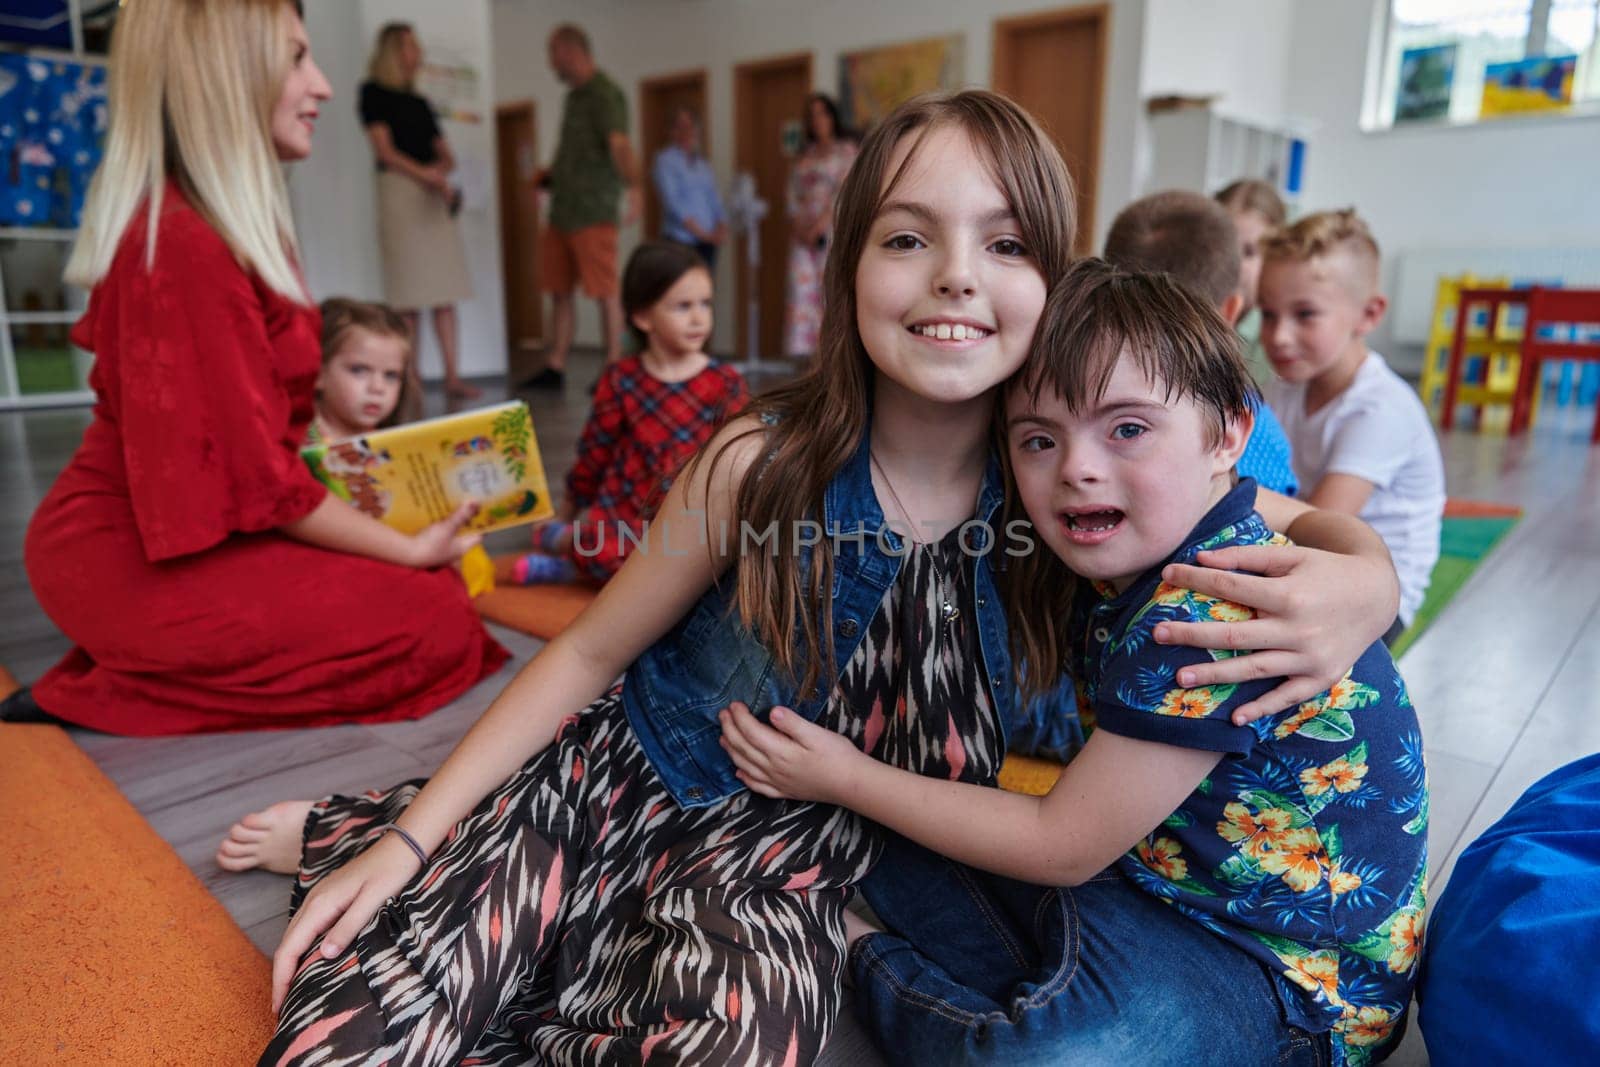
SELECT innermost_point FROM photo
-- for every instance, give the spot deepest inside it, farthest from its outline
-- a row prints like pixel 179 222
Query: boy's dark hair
pixel 1093 315
pixel 1099 311
pixel 654 267
pixel 1184 234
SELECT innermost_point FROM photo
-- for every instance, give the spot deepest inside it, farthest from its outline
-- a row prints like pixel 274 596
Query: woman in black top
pixel 424 264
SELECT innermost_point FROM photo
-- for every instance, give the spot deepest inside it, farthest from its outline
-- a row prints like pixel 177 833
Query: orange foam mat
pixel 111 951
pixel 541 611
pixel 1478 509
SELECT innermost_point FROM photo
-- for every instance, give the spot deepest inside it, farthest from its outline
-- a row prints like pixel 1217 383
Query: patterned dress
pixel 580 916
pixel 813 183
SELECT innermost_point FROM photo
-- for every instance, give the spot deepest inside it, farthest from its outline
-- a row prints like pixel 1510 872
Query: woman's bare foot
pixel 269 839
pixel 463 390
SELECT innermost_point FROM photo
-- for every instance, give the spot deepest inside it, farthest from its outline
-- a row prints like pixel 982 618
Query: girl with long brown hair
pixel 585 879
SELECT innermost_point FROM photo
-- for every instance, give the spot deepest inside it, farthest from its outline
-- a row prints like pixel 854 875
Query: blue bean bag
pixel 1511 969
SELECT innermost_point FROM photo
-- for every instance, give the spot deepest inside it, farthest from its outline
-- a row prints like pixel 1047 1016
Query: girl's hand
pixel 1316 613
pixel 443 542
pixel 791 759
pixel 340 907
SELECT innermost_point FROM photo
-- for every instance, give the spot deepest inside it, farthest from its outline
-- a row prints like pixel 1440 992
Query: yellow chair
pixel 1496 347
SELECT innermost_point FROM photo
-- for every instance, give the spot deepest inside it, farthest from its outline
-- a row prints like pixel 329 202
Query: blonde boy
pixel 1362 440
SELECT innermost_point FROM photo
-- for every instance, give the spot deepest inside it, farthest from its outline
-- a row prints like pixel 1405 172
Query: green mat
pixel 1464 543
pixel 46 370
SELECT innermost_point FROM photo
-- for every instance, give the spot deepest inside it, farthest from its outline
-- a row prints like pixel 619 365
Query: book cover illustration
pixel 414 475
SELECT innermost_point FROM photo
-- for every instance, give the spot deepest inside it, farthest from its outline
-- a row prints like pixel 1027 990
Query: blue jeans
pixel 1102 973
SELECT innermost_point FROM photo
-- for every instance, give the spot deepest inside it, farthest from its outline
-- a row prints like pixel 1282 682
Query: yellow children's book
pixel 414 475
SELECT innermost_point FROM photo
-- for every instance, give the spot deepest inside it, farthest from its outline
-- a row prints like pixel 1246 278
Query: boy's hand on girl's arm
pixel 1316 613
pixel 791 759
pixel 443 542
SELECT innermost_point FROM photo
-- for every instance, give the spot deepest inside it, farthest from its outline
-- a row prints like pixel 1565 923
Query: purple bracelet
pixel 411 842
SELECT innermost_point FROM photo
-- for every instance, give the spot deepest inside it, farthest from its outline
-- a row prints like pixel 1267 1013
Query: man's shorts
pixel 585 257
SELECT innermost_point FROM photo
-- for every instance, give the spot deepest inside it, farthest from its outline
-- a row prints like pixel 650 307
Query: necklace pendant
pixel 948 611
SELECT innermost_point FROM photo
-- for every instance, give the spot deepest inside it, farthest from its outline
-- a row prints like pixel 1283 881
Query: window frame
pixel 1377 89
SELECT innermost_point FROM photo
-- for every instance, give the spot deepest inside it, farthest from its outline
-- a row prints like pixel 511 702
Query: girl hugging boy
pixel 1229 891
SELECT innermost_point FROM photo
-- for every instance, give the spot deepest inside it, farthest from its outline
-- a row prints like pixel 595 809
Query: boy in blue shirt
pixel 1224 893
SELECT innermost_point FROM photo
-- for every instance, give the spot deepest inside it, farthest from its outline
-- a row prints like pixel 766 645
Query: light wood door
pixel 769 95
pixel 516 156
pixel 1054 65
pixel 659 100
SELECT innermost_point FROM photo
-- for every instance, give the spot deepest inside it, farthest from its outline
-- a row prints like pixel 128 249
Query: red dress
pixel 156 550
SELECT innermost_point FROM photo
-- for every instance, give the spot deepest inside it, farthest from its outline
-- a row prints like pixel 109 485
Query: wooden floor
pixel 1504 682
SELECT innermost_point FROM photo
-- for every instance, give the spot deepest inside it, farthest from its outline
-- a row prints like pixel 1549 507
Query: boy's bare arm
pixel 1114 793
pixel 1344 493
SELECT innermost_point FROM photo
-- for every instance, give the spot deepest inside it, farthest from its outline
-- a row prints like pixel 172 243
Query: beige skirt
pixel 424 263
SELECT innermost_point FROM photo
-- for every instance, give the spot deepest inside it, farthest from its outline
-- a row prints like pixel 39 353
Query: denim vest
pixel 673 692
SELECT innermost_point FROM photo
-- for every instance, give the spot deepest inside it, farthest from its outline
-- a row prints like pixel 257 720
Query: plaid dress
pixel 641 431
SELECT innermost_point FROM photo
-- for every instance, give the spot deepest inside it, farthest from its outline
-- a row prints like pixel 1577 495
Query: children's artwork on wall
pixel 52 124
pixel 451 83
pixel 1426 77
pixel 1543 83
pixel 874 81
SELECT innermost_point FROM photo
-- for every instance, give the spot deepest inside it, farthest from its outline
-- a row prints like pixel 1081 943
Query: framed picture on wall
pixel 874 81
pixel 1543 83
pixel 1427 76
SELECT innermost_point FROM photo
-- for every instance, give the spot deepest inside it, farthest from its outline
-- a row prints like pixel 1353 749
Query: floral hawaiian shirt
pixel 1307 845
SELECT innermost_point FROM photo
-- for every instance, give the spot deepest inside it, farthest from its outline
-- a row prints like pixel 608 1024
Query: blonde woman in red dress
pixel 208 581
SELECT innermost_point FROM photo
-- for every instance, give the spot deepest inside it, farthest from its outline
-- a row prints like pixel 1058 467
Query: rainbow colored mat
pixel 1471 530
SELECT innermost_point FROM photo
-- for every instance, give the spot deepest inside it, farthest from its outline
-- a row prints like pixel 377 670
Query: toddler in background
pixel 1362 440
pixel 368 379
pixel 369 382
pixel 1257 210
pixel 1192 238
pixel 651 413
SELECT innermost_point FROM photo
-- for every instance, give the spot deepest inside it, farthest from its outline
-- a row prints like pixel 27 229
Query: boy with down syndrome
pixel 1222 893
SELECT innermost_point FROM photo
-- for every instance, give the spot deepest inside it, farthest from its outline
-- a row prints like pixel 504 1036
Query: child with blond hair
pixel 1362 441
pixel 1256 210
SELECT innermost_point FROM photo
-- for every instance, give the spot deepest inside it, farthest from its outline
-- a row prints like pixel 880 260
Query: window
pixel 1438 55
pixel 80 26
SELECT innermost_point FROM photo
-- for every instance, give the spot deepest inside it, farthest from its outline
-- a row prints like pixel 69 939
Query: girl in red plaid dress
pixel 651 413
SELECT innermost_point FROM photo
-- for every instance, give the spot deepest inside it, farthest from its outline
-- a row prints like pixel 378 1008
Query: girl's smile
pixel 947 295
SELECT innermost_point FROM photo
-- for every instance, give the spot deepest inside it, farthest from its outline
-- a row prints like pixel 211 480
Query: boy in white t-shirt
pixel 1362 440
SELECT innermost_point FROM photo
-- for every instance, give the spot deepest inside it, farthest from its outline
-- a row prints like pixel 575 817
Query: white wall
pixel 1512 184
pixel 638 40
pixel 333 194
pixel 1234 50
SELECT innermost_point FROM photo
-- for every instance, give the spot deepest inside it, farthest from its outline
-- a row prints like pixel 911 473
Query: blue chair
pixel 1511 964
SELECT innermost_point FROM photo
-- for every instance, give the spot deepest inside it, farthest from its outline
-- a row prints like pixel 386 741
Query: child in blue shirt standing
pixel 1226 893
